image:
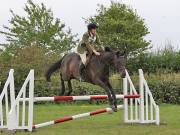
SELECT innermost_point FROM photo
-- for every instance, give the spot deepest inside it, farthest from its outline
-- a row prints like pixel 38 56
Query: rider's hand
pixel 97 53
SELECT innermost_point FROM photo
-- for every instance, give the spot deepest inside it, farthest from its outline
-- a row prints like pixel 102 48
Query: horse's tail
pixel 55 66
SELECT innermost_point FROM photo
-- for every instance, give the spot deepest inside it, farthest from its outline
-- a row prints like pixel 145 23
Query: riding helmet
pixel 92 26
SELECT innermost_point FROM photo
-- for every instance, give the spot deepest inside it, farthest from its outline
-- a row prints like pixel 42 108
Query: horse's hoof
pixel 113 108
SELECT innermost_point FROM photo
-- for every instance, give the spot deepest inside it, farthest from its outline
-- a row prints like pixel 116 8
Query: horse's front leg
pixel 108 91
pixel 113 94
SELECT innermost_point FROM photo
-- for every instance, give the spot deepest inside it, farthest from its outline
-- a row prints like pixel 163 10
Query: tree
pixel 32 57
pixel 121 28
pixel 38 27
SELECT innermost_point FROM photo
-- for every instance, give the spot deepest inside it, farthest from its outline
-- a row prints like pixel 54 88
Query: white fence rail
pixel 17 112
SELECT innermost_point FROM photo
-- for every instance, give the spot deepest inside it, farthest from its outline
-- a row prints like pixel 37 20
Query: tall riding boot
pixel 81 68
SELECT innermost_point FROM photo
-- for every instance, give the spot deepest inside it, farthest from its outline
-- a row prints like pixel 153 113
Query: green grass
pixel 104 124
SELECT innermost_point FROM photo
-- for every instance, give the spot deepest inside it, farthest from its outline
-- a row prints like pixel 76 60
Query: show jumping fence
pixel 138 107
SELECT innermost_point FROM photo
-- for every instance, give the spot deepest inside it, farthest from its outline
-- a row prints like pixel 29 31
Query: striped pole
pixel 80 98
pixel 69 118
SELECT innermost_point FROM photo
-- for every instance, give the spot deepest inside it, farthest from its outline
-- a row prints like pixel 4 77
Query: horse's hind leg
pixel 70 88
pixel 62 86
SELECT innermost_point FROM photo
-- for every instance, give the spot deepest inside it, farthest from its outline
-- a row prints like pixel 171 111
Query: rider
pixel 90 41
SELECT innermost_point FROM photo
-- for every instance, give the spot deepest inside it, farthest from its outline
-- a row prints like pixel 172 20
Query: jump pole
pixel 74 117
pixel 80 98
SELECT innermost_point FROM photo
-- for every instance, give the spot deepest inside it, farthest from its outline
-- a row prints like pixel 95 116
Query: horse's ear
pixel 107 49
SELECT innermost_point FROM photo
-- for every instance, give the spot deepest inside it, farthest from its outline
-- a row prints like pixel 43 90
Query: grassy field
pixel 104 124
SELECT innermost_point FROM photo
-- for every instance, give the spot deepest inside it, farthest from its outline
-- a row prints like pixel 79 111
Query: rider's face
pixel 93 31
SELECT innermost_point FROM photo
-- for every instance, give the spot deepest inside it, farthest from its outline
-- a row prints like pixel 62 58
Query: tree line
pixel 36 40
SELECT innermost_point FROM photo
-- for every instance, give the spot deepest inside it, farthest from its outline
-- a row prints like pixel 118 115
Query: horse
pixel 96 71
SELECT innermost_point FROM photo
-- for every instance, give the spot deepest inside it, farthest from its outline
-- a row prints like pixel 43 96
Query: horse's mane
pixel 105 55
pixel 106 49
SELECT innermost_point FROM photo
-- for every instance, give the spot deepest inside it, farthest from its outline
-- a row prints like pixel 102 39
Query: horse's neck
pixel 106 58
pixel 99 61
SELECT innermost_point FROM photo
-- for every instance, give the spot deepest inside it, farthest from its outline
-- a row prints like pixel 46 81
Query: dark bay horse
pixel 96 71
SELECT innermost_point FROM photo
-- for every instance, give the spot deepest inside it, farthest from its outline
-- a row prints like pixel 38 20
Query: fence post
pixel 157 115
pixel 125 89
pixel 31 100
pixel 141 87
pixel 12 118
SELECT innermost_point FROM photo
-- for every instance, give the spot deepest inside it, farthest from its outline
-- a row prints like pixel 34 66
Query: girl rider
pixel 90 41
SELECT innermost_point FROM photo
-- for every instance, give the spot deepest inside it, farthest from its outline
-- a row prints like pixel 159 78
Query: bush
pixel 166 91
pixel 165 60
pixel 165 88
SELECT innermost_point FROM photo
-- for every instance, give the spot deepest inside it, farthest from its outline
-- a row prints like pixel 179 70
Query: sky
pixel 162 17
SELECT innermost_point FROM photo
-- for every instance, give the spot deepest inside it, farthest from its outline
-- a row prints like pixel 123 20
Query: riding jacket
pixel 88 43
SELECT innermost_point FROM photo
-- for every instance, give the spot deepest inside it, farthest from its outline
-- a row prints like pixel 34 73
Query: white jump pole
pixel 74 117
pixel 80 98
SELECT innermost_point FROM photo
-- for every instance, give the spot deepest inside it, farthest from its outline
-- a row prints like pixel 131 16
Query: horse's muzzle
pixel 122 72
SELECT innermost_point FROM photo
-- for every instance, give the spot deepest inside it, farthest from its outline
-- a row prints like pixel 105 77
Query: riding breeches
pixel 83 57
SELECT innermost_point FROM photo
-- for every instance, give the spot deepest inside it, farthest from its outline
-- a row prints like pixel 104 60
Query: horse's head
pixel 118 59
pixel 120 62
